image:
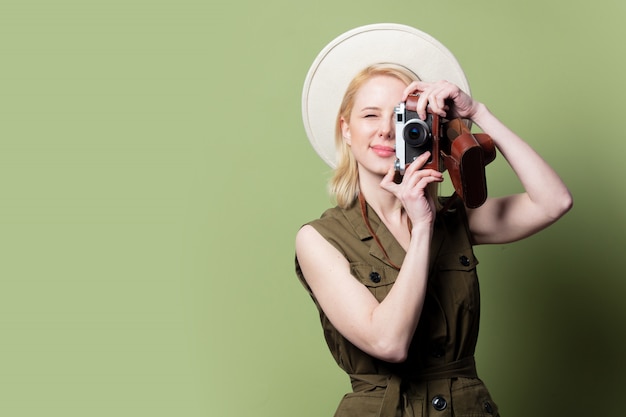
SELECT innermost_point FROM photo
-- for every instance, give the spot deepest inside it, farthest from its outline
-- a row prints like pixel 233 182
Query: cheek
pixel 359 129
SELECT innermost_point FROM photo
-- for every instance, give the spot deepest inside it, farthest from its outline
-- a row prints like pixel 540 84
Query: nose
pixel 387 129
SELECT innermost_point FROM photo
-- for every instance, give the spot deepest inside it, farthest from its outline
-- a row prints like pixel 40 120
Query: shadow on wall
pixel 573 357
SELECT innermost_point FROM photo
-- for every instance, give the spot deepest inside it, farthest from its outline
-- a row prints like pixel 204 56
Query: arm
pixel 383 330
pixel 506 219
pixel 544 200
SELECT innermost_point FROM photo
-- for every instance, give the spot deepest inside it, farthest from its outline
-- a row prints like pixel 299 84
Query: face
pixel 370 131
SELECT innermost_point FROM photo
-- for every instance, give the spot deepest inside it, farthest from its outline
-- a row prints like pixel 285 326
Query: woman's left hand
pixel 442 98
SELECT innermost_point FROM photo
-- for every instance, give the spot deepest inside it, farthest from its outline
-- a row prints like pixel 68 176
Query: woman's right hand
pixel 412 191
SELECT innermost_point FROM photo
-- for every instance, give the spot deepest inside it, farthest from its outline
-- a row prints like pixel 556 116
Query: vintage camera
pixel 415 136
pixel 452 147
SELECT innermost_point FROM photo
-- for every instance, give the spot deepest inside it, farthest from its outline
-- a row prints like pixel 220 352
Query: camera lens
pixel 416 133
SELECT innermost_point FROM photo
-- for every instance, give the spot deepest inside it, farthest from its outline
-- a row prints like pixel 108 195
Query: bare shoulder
pixel 306 234
pixel 307 241
pixel 315 254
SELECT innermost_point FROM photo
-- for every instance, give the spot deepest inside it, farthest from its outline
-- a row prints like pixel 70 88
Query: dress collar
pixel 395 251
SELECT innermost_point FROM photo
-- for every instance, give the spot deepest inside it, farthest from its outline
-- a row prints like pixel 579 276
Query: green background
pixel 154 171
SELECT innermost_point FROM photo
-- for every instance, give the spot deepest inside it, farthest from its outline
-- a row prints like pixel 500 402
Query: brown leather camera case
pixel 465 157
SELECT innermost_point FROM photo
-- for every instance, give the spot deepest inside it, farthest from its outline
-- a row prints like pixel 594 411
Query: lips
pixel 384 151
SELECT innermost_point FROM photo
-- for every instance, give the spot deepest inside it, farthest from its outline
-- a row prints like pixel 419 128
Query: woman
pixel 391 272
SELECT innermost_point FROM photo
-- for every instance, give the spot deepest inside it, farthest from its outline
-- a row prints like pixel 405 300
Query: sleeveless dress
pixel 439 376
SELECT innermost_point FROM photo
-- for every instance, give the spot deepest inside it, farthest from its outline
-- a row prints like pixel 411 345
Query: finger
pixel 426 181
pixel 422 182
pixel 437 100
pixel 408 91
pixel 422 105
pixel 438 96
pixel 414 87
pixel 441 104
pixel 388 182
pixel 419 179
pixel 451 96
pixel 419 162
pixel 424 177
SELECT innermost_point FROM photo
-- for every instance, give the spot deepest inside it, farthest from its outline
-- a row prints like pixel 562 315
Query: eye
pixel 370 113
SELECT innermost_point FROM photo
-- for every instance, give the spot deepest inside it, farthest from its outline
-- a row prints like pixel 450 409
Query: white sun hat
pixel 344 57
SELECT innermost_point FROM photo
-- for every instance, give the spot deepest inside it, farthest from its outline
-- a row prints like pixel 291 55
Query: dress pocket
pixel 377 279
pixel 472 399
pixel 368 405
pixel 457 280
pixel 359 405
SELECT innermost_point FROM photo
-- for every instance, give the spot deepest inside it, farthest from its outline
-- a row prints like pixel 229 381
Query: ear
pixel 345 131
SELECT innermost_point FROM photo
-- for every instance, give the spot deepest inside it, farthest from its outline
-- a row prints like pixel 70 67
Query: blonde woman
pixel 391 270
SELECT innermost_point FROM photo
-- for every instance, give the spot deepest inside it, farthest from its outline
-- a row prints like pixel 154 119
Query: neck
pixel 384 203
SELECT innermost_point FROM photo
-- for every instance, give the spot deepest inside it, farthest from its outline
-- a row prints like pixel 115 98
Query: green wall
pixel 154 170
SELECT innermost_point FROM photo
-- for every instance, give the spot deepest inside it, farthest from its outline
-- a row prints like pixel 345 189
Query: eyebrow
pixel 370 108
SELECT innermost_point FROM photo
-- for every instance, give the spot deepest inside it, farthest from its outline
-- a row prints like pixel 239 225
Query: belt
pixel 463 368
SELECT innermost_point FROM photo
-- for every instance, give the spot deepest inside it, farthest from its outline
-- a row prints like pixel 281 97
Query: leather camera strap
pixel 363 204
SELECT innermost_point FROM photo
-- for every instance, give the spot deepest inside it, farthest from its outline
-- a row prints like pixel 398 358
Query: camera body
pixel 452 146
pixel 415 136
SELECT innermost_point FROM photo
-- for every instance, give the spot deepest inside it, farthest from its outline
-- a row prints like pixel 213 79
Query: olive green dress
pixel 439 376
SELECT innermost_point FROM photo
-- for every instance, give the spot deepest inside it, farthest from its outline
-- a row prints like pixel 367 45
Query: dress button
pixel 488 407
pixel 375 277
pixel 464 260
pixel 439 403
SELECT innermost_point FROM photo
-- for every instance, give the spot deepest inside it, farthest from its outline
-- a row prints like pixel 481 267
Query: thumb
pixel 388 182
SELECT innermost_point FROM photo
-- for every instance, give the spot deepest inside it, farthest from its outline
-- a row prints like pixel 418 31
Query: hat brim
pixel 342 59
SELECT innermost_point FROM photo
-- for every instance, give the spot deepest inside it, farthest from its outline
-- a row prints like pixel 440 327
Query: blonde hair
pixel 344 184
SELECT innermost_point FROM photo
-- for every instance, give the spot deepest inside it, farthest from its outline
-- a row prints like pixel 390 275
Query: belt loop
pixel 390 404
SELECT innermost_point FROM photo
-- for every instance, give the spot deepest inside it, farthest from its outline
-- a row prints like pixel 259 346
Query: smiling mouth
pixel 384 151
pixel 383 148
